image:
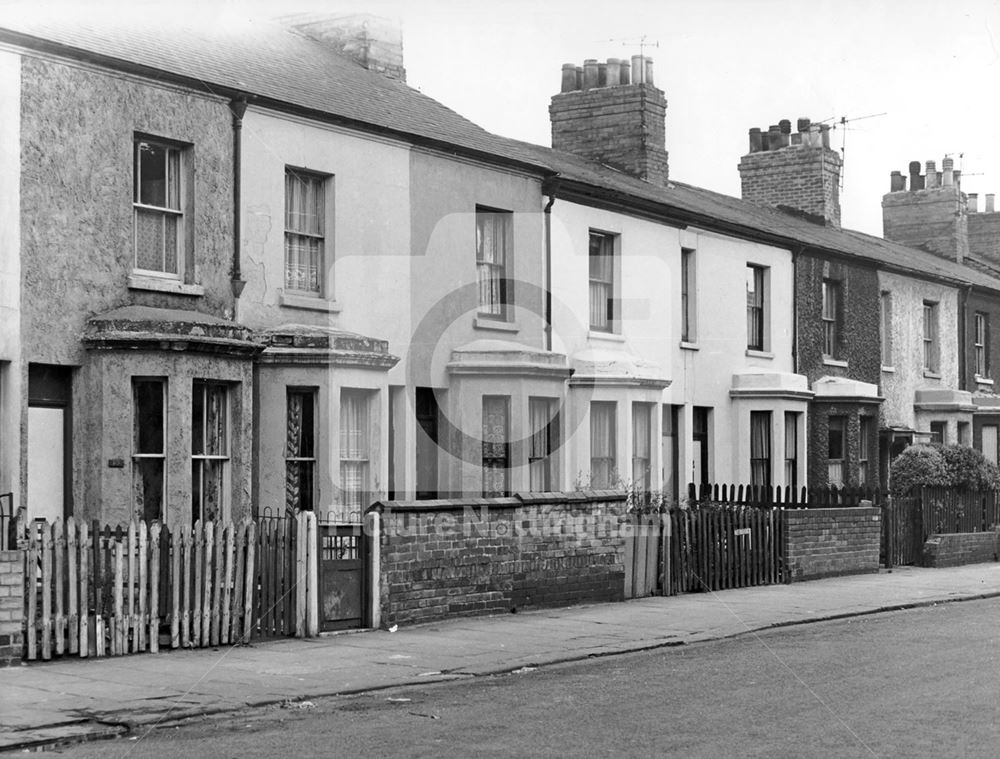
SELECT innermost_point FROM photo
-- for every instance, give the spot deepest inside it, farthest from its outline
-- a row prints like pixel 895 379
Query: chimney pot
pixel 930 175
pixel 786 126
pixel 755 140
pixel 626 71
pixel 824 134
pixel 614 72
pixel 602 75
pixel 802 125
pixel 973 204
pixel 590 74
pixel 568 77
pixel 947 173
pixel 897 182
pixel 990 198
pixel 637 69
pixel 649 70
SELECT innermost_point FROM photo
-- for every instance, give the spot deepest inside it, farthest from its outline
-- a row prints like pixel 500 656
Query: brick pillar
pixel 11 607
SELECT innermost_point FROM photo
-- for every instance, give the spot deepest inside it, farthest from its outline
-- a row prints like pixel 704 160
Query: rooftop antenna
pixel 842 122
pixel 642 43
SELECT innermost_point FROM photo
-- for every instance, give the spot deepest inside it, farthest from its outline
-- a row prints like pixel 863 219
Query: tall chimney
pixel 795 171
pixel 612 121
pixel 374 42
pixel 932 214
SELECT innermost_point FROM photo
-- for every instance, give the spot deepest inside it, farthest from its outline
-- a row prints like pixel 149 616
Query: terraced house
pixel 252 271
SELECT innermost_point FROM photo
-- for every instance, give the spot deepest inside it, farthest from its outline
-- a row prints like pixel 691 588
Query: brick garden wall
pixel 498 555
pixel 961 548
pixel 830 542
pixel 11 607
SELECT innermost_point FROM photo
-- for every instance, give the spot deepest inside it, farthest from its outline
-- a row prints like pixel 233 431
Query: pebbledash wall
pixel 830 542
pixel 499 555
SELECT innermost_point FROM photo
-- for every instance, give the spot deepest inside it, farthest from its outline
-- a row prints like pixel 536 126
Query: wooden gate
pixel 342 577
pixel 902 531
pixel 644 554
pixel 721 547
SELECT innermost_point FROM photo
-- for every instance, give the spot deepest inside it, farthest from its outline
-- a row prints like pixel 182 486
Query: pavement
pixel 74 699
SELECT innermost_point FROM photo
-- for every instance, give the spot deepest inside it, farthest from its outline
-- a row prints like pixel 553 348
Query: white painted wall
pixel 10 275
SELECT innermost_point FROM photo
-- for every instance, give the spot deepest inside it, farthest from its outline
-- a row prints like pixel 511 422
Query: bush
pixel 942 465
pixel 917 465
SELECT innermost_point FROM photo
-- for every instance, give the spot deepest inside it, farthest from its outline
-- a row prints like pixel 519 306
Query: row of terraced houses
pixel 259 271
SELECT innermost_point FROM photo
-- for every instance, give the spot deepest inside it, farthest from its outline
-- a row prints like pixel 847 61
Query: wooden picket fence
pixel 717 548
pixel 792 498
pixel 93 591
pixel 645 550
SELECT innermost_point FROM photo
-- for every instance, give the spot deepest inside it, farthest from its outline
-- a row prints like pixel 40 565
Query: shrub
pixel 942 465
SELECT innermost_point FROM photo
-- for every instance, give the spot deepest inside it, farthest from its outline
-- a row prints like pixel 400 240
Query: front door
pixel 342 586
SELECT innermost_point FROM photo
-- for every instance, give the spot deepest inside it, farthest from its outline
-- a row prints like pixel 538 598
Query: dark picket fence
pixel 721 547
pixel 792 498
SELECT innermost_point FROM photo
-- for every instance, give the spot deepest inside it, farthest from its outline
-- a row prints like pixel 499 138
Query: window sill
pixel 984 381
pixel 307 302
pixel 889 369
pixel 495 325
pixel 608 336
pixel 156 284
pixel 685 346
pixel 932 375
pixel 752 353
pixel 827 361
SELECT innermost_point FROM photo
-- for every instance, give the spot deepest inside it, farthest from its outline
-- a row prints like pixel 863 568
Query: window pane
pixel 835 448
pixel 208 491
pixel 147 487
pixel 496 432
pixel 760 448
pixel 148 416
pixel 602 444
pixel 299 485
pixel 353 424
pixel 151 163
pixel 300 432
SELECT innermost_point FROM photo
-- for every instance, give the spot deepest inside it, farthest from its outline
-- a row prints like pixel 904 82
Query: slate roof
pixel 283 68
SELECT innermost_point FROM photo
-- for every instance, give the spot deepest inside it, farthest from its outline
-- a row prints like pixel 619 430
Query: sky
pixel 914 79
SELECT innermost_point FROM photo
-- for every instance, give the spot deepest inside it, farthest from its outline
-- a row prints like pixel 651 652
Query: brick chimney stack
pixel 374 42
pixel 793 170
pixel 932 214
pixel 612 113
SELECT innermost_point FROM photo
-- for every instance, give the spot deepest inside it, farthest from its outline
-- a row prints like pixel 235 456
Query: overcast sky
pixel 932 67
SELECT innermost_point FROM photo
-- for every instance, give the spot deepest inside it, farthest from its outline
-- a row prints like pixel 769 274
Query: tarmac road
pixel 921 682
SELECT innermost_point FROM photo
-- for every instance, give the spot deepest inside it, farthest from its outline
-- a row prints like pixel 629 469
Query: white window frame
pixel 140 456
pixel 836 467
pixel 885 317
pixel 610 461
pixel 298 234
pixel 544 440
pixel 689 299
pixel 359 457
pixel 493 276
pixel 757 310
pixel 830 314
pixel 308 463
pixel 930 337
pixel 608 244
pixel 981 349
pixel 200 459
pixel 175 179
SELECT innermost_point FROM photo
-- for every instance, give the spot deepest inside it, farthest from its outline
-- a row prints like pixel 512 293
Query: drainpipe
pixel 963 320
pixel 238 106
pixel 549 187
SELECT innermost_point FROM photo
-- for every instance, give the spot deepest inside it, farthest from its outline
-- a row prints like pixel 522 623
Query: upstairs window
pixel 305 211
pixel 755 308
pixel 931 356
pixel 493 250
pixel 602 282
pixel 981 347
pixel 149 424
pixel 831 318
pixel 158 209
pixel 300 449
pixel 688 331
